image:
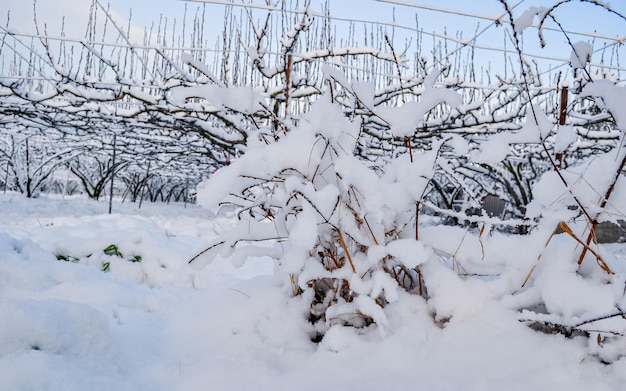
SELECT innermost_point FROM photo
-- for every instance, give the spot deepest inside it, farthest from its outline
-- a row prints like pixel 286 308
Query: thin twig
pixel 205 250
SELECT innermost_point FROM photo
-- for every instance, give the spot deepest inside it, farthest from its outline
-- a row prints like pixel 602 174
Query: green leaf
pixel 112 249
pixel 67 258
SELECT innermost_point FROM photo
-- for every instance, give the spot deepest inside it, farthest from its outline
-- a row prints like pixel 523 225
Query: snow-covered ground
pixel 156 324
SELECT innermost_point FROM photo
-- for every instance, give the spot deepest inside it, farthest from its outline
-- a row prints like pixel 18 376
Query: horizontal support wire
pixel 464 43
pixel 617 38
pixel 298 55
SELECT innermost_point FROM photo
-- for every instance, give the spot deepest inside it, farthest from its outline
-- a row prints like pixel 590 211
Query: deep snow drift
pixel 156 324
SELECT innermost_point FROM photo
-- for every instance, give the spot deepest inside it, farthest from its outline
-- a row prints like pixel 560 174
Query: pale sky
pixel 575 16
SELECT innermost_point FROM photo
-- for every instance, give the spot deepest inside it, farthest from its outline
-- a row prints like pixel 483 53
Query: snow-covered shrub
pixel 574 287
pixel 588 191
pixel 342 234
pixel 343 229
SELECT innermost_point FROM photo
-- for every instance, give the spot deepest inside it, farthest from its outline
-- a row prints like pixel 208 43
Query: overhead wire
pixel 463 43
pixel 471 43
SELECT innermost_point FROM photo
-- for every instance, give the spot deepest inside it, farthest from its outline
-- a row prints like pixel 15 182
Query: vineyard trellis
pixel 341 148
pixel 181 109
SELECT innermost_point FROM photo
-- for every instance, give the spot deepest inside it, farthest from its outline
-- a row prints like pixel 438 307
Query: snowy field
pixel 150 322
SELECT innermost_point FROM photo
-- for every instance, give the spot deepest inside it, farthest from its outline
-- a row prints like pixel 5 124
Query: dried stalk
pixel 594 222
pixel 345 248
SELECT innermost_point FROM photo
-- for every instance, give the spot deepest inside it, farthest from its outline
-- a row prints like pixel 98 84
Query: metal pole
pixel 186 191
pixel 67 179
pixel 112 173
pixel 6 178
pixel 143 184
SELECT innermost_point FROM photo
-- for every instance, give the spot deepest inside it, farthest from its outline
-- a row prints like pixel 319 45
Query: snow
pixel 112 301
pixel 159 325
pixel 581 54
pixel 241 99
pixel 405 120
pixel 409 251
pixel 305 268
pixel 524 21
pixel 565 137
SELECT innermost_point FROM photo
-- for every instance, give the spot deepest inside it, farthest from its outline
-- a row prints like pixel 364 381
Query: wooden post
pixel 112 172
pixel 562 118
pixel 287 85
pixel 28 178
pixel 563 108
pixel 559 159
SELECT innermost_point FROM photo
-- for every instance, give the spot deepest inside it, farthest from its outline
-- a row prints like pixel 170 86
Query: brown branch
pixel 605 200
